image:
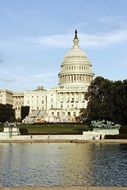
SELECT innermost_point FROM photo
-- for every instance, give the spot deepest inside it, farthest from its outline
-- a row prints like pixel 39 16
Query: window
pixel 52 113
pixel 63 113
pixel 72 100
pixel 69 114
pixel 74 113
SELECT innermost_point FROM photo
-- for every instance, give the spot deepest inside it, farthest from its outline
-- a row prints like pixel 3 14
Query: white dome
pixel 75 51
pixel 76 69
pixel 76 54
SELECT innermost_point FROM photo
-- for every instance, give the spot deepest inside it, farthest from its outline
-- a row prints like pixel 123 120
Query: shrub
pixel 123 130
pixel 120 136
pixel 105 125
pixel 23 131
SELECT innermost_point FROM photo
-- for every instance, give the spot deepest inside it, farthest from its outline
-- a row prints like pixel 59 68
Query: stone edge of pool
pixel 64 188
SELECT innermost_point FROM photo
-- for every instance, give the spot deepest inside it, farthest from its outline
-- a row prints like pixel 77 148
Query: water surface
pixel 64 164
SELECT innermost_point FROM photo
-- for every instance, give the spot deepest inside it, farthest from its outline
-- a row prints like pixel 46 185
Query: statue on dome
pixel 76 36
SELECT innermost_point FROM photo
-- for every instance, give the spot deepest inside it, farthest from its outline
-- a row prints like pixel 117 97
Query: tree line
pixel 106 100
pixel 7 113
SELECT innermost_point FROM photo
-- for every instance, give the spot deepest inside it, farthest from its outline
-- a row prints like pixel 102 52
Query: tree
pixel 96 107
pixel 7 113
pixel 107 100
pixel 24 111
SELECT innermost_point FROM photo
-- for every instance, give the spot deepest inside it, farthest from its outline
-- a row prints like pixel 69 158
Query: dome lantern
pixel 76 40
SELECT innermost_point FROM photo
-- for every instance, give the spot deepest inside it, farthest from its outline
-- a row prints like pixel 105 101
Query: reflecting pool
pixel 63 164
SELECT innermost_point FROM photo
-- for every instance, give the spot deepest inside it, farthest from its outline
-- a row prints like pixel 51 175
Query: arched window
pixel 58 114
pixel 69 113
pixel 52 113
pixel 63 113
pixel 74 113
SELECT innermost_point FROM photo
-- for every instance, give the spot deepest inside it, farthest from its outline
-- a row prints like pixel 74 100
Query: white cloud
pixel 87 40
pixel 5 77
pixel 98 40
pixel 104 39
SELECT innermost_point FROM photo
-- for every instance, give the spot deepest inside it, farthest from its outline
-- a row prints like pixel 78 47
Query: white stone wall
pixel 52 99
pixel 35 99
pixel 87 135
pixel 6 97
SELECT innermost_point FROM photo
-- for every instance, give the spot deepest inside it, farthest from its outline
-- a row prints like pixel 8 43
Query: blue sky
pixel 36 34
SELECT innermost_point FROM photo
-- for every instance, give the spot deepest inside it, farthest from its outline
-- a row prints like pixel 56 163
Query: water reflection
pixel 63 164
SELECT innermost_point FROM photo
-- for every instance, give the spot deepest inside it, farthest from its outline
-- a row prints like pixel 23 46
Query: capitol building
pixel 62 103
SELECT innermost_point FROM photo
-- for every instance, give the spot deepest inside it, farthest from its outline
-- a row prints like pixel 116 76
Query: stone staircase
pixel 35 116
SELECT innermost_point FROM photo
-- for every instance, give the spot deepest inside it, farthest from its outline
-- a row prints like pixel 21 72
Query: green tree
pixel 96 107
pixel 24 111
pixel 106 100
pixel 7 113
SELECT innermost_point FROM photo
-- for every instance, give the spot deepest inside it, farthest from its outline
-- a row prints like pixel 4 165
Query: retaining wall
pixel 87 135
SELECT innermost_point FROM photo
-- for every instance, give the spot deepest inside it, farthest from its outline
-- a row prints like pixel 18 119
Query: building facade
pixel 18 102
pixel 6 97
pixel 64 102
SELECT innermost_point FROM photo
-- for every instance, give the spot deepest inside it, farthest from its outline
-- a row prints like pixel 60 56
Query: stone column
pixel 76 78
pixel 69 78
pixel 72 78
pixel 65 78
pixel 84 78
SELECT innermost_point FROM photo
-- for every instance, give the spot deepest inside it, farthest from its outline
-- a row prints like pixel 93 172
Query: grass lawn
pixel 54 128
